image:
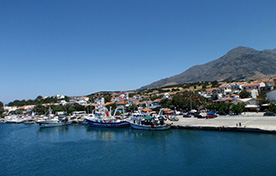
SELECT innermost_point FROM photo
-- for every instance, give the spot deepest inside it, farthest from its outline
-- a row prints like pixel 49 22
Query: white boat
pixel 29 122
pixel 14 119
pixel 53 122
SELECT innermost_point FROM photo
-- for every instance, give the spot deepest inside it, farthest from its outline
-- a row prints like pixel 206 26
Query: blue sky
pixel 79 47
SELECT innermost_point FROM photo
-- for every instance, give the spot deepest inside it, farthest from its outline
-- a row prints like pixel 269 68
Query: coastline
pixel 246 122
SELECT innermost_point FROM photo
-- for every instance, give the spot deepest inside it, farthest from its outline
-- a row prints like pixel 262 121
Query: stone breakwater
pixel 248 122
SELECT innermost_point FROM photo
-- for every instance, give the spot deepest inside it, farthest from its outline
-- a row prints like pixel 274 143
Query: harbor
pixel 245 122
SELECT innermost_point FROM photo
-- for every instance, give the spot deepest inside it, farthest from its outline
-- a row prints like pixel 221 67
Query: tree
pixel 40 109
pixel 39 97
pixel 78 107
pixel 165 103
pixel 221 107
pixel 113 106
pixel 1 109
pixel 245 94
pixel 262 98
pixel 131 108
pixel 272 107
pixel 107 98
pixel 237 108
pixel 215 84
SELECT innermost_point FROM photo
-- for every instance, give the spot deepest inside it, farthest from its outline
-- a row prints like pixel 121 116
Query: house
pixel 166 95
pixel 123 103
pixel 155 104
pixel 59 96
pixel 62 102
pixel 226 88
pixel 80 100
pixel 123 95
pixel 236 85
pixel 269 85
pixel 251 104
pixel 133 101
pixel 213 92
pixel 9 109
pixel 253 85
pixel 108 103
pixel 271 96
pixel 224 100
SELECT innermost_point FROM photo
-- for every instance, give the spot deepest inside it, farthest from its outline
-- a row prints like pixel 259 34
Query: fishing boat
pixel 53 121
pixel 102 118
pixel 150 123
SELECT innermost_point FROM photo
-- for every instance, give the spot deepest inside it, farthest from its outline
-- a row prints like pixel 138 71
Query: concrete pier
pixel 246 122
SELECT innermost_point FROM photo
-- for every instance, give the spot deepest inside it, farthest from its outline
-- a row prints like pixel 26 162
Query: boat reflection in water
pixel 52 133
pixel 107 134
pixel 120 134
pixel 150 134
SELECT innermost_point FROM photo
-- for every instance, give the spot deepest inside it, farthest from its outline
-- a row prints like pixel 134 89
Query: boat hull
pixel 49 125
pixel 121 124
pixel 150 128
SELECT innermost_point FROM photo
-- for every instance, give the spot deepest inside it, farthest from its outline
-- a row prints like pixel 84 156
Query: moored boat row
pixel 100 117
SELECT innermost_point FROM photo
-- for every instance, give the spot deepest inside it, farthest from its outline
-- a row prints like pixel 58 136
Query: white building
pixel 10 108
pixel 59 96
pixel 166 95
pixel 251 104
pixel 62 102
pixel 271 96
pixel 254 93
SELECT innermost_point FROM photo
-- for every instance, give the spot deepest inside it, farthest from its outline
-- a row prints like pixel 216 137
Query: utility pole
pixel 191 102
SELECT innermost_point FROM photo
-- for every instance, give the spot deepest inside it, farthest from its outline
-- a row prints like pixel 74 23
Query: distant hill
pixel 241 63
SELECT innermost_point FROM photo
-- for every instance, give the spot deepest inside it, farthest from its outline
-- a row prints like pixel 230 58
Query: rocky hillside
pixel 240 63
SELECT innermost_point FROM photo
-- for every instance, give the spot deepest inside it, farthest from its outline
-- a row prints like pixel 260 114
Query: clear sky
pixel 77 47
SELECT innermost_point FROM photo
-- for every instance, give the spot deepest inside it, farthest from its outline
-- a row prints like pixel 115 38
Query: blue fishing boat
pixel 101 118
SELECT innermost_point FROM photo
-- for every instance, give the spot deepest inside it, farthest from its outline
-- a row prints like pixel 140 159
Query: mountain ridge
pixel 240 63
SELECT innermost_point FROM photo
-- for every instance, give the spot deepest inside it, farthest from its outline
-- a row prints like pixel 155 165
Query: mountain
pixel 241 63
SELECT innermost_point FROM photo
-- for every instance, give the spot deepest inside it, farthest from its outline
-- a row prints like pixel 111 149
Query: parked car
pixel 221 113
pixel 187 115
pixel 178 113
pixel 173 118
pixel 200 116
pixel 269 114
pixel 211 116
pixel 197 115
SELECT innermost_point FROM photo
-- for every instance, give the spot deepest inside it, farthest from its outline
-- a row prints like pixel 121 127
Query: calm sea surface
pixel 80 150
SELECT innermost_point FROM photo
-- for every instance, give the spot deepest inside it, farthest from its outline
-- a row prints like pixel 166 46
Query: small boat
pixel 101 118
pixel 2 120
pixel 150 127
pixel 29 122
pixel 14 119
pixel 53 122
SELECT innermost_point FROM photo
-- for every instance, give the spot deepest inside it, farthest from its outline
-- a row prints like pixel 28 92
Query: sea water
pixel 81 150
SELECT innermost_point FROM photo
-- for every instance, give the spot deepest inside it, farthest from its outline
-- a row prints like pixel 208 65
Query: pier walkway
pixel 251 122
